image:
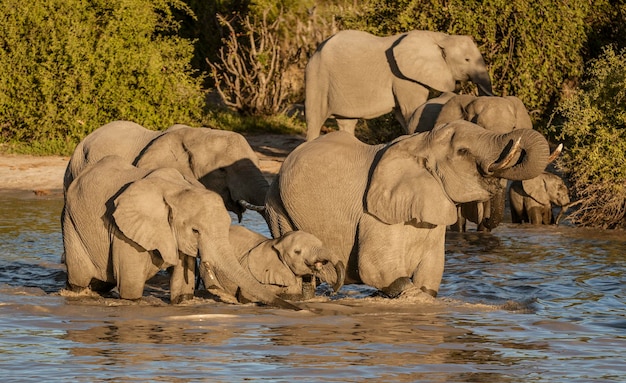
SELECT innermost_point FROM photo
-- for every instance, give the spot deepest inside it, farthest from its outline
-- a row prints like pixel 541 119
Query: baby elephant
pixel 281 263
pixel 531 200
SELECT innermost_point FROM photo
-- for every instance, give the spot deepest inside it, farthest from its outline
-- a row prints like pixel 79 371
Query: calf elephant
pixel 280 263
pixel 383 209
pixel 354 74
pixel 531 200
pixel 122 224
pixel 220 160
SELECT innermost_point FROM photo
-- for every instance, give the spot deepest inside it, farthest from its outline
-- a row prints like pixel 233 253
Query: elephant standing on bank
pixel 280 263
pixel 383 209
pixel 122 224
pixel 220 160
pixel 531 200
pixel 496 114
pixel 354 74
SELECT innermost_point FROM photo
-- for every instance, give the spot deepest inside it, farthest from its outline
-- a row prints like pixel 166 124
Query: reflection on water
pixel 520 304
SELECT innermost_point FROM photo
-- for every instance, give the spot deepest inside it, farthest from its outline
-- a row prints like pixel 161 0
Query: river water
pixel 519 304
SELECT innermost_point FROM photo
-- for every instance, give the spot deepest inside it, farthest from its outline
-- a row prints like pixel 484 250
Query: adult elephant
pixel 531 200
pixel 280 263
pixel 384 209
pixel 220 160
pixel 497 114
pixel 122 224
pixel 354 74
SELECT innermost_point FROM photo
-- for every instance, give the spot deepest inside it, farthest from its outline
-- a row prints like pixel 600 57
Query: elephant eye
pixel 297 251
pixel 463 152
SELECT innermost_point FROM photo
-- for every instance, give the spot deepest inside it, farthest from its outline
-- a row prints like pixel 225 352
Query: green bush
pixel 69 66
pixel 594 133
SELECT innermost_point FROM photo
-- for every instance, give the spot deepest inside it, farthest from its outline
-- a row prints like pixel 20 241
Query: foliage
pixel 69 66
pixel 594 132
pixel 249 73
pixel 227 119
pixel 530 47
pixel 259 70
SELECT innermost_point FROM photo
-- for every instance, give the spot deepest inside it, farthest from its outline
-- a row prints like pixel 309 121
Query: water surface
pixel 520 304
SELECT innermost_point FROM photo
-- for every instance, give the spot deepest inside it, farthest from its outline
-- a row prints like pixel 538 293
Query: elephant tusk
pixel 341 275
pixel 556 153
pixel 250 206
pixel 507 160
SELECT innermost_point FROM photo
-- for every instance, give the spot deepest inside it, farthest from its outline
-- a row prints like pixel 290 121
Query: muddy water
pixel 520 304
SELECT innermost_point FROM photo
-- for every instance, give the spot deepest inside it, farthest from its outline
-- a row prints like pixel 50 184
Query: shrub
pixel 260 67
pixel 594 133
pixel 69 66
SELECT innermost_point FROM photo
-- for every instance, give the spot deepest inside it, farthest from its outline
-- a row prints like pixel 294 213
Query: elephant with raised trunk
pixel 122 224
pixel 383 209
pixel 220 160
pixel 496 114
pixel 354 75
pixel 531 200
pixel 281 263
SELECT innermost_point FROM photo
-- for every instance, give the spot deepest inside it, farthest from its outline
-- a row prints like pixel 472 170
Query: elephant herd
pixel 339 211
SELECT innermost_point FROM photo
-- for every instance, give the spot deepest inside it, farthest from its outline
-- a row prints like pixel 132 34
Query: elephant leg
pixel 494 208
pixel 461 223
pixel 80 268
pixel 347 125
pixel 535 215
pixel 381 256
pixel 182 279
pixel 131 269
pixel 429 271
pixel 547 215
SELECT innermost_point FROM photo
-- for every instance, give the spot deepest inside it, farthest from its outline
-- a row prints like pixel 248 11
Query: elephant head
pixel 438 60
pixel 165 214
pixel 458 162
pixel 304 254
pixel 220 160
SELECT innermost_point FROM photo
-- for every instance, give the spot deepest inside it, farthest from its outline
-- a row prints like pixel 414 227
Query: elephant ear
pixel 267 268
pixel 419 57
pixel 402 189
pixel 142 215
pixel 536 189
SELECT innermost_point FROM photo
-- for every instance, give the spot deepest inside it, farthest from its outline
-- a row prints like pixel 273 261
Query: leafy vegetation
pixel 69 66
pixel 594 131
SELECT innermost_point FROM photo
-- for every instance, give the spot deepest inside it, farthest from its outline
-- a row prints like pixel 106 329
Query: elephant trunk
pixel 248 187
pixel 520 154
pixel 330 269
pixel 483 82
